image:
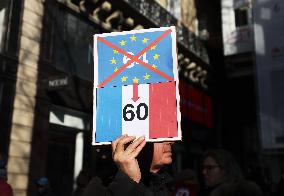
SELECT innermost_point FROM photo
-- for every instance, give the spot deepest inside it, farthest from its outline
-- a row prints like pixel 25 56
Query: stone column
pixel 25 96
pixel 188 15
pixel 163 3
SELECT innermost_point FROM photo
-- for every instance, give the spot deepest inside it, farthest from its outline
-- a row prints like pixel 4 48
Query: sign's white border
pixel 175 72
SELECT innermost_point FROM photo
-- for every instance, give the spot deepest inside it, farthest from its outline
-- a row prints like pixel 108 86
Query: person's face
pixel 212 172
pixel 162 155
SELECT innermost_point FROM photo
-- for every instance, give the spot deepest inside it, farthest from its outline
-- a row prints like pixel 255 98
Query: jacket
pixel 5 188
pixel 123 185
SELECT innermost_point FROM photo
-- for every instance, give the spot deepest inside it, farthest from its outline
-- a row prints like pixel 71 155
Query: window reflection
pixel 3 9
pixel 70 44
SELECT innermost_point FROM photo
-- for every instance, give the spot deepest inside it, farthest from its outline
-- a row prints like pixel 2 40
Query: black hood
pixel 145 159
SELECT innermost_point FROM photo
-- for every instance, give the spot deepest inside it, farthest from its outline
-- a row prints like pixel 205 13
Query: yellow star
pixel 122 42
pixel 135 80
pixel 146 77
pixel 133 38
pixel 153 47
pixel 154 66
pixel 113 61
pixel 115 52
pixel 123 78
pixel 156 56
pixel 145 40
pixel 115 69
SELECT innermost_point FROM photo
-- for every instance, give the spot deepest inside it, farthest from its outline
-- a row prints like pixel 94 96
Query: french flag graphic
pixel 144 109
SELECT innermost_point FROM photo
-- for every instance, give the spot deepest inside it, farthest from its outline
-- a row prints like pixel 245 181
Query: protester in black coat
pixel 140 172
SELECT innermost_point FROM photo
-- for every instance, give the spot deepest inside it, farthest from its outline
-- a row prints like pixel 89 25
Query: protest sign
pixel 136 85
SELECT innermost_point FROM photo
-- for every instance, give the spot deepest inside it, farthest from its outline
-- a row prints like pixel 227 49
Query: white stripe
pixel 135 127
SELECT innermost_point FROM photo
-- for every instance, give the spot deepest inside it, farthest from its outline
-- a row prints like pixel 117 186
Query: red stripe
pixel 162 110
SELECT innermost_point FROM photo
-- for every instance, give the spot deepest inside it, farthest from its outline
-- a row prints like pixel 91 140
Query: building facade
pixel 46 89
pixel 254 63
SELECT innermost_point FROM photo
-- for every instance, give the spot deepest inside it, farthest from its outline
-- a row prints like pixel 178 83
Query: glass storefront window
pixel 174 7
pixel 72 50
pixel 3 10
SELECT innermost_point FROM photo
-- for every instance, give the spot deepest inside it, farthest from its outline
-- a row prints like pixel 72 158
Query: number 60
pixel 129 115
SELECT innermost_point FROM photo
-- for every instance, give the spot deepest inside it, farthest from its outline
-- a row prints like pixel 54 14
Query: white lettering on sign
pixel 125 59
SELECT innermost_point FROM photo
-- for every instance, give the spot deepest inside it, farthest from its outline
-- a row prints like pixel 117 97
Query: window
pixel 174 7
pixel 69 43
pixel 3 12
pixel 241 16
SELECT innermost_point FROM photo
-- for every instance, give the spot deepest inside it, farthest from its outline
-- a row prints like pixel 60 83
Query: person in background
pixel 238 188
pixel 221 175
pixel 5 188
pixel 43 187
pixel 140 169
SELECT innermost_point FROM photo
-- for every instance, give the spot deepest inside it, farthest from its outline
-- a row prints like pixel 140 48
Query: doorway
pixel 60 159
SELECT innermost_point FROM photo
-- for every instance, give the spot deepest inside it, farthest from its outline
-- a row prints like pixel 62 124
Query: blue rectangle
pixel 159 57
pixel 109 115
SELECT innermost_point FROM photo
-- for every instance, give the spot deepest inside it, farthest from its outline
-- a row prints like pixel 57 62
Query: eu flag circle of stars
pixel 133 39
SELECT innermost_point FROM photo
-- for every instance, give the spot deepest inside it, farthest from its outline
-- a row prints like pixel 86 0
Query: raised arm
pixel 125 149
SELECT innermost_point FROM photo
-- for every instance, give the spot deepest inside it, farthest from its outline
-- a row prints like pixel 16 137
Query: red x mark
pixel 134 58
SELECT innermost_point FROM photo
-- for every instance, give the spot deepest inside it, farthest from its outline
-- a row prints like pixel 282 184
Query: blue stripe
pixel 109 114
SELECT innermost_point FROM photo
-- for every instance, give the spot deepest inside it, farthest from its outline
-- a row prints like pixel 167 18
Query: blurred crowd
pixel 219 175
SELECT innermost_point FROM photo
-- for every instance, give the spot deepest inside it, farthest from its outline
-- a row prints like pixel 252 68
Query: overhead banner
pixel 136 85
pixel 269 49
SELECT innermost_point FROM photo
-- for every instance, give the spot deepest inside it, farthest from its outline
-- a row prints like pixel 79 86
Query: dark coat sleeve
pixel 121 185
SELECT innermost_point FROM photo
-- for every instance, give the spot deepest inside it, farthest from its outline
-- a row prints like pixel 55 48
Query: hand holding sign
pixel 125 158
